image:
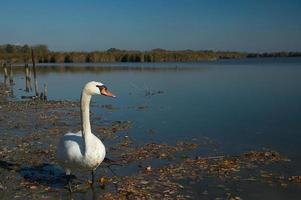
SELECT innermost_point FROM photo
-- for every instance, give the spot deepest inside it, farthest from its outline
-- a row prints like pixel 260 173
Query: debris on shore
pixel 30 130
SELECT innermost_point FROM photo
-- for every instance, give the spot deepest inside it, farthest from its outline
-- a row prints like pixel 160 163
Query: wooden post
pixel 29 77
pixel 11 75
pixel 5 73
pixel 26 78
pixel 34 73
pixel 45 92
pixel 11 94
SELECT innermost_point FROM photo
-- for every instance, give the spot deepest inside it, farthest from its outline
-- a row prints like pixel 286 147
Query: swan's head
pixel 97 88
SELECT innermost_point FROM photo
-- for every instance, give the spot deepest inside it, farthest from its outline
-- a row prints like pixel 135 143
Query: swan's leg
pixel 93 176
pixel 68 174
pixel 69 182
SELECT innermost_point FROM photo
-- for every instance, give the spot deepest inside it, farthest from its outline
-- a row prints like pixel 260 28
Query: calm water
pixel 241 104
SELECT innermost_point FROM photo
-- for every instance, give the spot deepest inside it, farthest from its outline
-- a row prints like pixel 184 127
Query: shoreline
pixel 31 129
pixel 139 66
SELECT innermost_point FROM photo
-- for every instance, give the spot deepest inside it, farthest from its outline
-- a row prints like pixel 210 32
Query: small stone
pixel 205 192
pixel 2 187
pixel 102 180
pixel 163 155
pixel 33 187
pixel 144 182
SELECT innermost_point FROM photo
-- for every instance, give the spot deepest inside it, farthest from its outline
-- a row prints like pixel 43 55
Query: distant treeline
pixel 22 53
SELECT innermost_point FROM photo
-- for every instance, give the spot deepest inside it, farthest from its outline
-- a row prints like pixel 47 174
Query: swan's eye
pixel 101 87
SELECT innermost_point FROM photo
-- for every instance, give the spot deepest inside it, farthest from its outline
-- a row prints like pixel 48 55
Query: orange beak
pixel 107 93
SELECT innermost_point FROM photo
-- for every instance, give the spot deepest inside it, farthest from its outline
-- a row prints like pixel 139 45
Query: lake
pixel 242 105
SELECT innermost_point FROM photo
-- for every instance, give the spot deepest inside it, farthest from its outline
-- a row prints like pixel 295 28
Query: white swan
pixel 83 151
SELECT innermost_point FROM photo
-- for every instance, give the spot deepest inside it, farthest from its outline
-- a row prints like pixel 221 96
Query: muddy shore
pixel 30 130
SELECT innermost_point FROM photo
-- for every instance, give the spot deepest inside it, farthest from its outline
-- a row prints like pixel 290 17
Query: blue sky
pixel 255 25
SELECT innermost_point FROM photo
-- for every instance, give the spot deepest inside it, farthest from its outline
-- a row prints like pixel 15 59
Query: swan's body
pixel 83 151
pixel 73 157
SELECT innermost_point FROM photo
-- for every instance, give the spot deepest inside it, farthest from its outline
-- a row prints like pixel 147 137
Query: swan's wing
pixel 70 149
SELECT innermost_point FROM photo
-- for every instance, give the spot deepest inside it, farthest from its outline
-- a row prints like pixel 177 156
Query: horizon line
pixel 149 50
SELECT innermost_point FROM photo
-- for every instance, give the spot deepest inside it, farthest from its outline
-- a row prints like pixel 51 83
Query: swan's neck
pixel 85 116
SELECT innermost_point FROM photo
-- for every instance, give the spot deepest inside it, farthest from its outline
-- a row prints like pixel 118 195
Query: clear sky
pixel 241 25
